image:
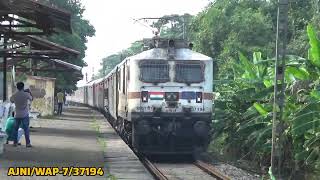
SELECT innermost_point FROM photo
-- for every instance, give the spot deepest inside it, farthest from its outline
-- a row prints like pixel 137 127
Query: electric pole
pixel 279 89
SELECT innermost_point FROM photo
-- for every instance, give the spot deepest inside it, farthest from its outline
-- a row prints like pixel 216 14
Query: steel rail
pixel 153 169
pixel 208 168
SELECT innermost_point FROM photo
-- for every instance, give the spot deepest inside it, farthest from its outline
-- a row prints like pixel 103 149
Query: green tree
pixel 226 27
pixel 174 26
pixel 108 63
pixel 82 29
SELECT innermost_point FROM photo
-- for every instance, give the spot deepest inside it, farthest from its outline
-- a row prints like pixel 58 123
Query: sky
pixel 116 29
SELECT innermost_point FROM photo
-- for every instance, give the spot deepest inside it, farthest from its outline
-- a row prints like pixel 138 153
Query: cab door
pixel 117 91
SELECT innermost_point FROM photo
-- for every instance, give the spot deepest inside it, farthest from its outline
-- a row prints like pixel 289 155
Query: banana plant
pixel 247 117
pixel 244 114
pixel 305 122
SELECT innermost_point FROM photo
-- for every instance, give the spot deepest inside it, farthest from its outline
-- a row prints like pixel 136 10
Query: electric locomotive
pixel 159 100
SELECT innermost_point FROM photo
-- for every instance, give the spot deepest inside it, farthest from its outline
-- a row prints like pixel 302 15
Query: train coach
pixel 160 100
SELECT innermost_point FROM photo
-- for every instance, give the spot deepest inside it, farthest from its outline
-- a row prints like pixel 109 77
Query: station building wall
pixel 42 89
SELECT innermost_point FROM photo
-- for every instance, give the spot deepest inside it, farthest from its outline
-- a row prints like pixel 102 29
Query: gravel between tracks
pixel 235 173
pixel 183 171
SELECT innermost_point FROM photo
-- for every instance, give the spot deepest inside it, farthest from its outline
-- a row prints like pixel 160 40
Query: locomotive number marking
pixel 197 109
pixel 170 110
pixel 148 109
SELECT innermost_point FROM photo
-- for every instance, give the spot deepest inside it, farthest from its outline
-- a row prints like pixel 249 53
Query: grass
pixel 101 140
pixel 95 125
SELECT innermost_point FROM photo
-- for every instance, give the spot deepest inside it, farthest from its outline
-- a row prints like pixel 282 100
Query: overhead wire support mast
pixel 279 88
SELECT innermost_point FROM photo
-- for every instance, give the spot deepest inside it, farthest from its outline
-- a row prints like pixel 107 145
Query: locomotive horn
pixel 191 46
pixel 171 49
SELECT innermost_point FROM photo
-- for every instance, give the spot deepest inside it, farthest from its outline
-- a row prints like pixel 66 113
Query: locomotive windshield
pixel 188 72
pixel 153 71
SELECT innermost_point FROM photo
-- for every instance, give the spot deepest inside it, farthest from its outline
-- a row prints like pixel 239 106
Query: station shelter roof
pixel 34 13
pixel 23 46
pixel 47 54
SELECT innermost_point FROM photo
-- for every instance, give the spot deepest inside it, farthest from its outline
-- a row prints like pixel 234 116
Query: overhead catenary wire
pixel 147 26
pixel 168 18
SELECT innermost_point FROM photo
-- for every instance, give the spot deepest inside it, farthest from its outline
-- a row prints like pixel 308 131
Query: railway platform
pixel 81 137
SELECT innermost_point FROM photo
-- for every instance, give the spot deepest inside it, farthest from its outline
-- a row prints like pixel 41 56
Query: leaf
pixel 263 135
pixel 268 83
pixel 262 67
pixel 237 70
pixel 314 142
pixel 265 93
pixel 248 66
pixel 311 107
pixel 301 156
pixel 312 156
pixel 314 51
pixel 315 94
pixel 260 109
pixel 252 127
pixel 299 73
pixel 251 112
pixel 301 129
pixel 257 56
pixel 302 118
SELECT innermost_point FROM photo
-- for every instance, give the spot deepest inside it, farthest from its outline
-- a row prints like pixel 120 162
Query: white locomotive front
pixel 169 98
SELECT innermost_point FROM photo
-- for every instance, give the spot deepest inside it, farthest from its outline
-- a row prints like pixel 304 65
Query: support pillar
pixel 5 41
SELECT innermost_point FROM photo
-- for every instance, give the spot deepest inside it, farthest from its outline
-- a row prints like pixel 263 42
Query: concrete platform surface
pixel 81 137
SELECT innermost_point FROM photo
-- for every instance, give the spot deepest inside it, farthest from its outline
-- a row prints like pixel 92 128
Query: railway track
pixel 210 169
pixel 179 171
pixel 183 171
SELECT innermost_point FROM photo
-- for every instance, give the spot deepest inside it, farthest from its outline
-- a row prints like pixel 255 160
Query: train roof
pixel 180 54
pixel 93 82
pixel 99 80
pixel 161 51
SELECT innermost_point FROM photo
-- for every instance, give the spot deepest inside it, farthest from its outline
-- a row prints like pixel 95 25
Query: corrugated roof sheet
pixel 48 17
pixel 42 43
pixel 66 64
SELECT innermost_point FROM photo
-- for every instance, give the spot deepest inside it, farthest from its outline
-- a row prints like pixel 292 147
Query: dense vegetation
pixel 240 36
pixel 111 61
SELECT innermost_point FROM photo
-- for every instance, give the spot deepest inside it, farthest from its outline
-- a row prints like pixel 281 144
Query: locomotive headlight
pixel 198 97
pixel 144 96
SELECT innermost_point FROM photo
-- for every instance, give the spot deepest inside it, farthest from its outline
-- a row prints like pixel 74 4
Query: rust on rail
pixel 208 168
pixel 153 169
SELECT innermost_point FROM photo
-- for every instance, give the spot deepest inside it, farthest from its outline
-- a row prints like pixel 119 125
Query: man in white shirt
pixel 20 99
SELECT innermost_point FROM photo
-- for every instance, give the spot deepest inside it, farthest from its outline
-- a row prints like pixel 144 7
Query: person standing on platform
pixel 20 99
pixel 60 97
